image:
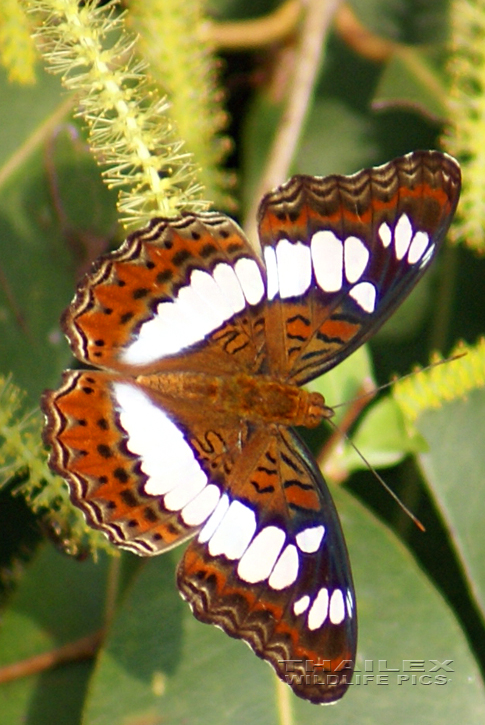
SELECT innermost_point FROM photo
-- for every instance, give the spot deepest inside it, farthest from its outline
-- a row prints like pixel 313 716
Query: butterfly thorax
pixel 260 399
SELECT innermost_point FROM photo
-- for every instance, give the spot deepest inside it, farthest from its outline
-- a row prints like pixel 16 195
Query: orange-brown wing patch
pixel 318 666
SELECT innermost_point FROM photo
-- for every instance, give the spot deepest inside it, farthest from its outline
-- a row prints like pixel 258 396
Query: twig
pixel 365 394
pixel 20 156
pixel 315 27
pixel 84 648
pixel 361 40
pixel 246 34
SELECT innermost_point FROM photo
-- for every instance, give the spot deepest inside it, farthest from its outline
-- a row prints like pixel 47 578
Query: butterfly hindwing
pixel 146 476
pixel 277 575
pixel 343 252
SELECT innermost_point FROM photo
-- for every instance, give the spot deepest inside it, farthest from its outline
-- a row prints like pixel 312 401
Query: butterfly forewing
pixel 171 287
pixel 185 430
pixel 343 252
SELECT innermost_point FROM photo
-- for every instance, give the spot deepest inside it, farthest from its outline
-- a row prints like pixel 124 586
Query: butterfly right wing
pixel 190 283
pixel 343 252
pixel 270 567
pixel 144 470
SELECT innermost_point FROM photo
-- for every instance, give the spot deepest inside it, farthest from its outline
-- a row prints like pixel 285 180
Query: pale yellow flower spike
pixel 434 386
pixel 466 137
pixel 172 38
pixel 130 131
pixel 17 50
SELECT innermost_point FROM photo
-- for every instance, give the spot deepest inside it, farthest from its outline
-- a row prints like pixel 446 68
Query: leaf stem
pixel 81 649
pixel 315 27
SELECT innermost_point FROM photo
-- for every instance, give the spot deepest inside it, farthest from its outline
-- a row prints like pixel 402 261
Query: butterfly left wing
pixel 342 252
pixel 270 567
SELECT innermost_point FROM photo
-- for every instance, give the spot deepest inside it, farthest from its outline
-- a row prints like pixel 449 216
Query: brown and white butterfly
pixel 187 428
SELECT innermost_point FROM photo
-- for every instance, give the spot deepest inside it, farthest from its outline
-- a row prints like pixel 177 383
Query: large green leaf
pixel 454 466
pixel 411 80
pixel 159 664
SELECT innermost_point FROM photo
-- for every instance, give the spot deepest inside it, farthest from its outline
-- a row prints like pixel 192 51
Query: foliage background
pixel 420 596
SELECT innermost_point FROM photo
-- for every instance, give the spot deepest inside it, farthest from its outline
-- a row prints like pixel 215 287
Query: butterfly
pixel 186 429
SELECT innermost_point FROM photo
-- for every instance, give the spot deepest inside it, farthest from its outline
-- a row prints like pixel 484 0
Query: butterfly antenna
pixel 356 405
pixel 389 490
pixel 372 392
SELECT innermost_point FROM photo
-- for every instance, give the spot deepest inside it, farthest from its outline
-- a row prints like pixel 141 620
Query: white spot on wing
pixel 165 456
pixel 328 259
pixel 319 610
pixel 249 276
pixel 216 518
pixel 234 533
pixel 364 294
pixel 182 494
pixel 337 607
pixel 271 273
pixel 260 557
pixel 385 234
pixel 301 605
pixel 349 602
pixel 210 294
pixel 228 283
pixel 356 256
pixel 418 247
pixel 286 569
pixel 199 317
pixel 199 308
pixel 427 257
pixel 294 268
pixel 201 507
pixel 403 233
pixel 309 540
pixel 164 334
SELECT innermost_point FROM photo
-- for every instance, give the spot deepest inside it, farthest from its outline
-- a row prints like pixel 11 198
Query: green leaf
pixel 59 600
pixel 23 111
pixel 321 151
pixel 382 438
pixel 159 664
pixel 56 216
pixel 454 466
pixel 410 79
pixel 344 382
